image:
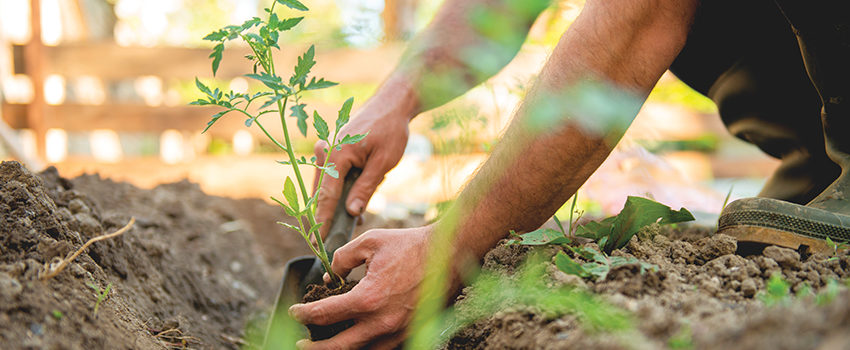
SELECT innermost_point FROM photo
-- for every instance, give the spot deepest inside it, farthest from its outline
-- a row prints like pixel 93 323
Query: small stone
pixel 77 206
pixel 9 286
pixel 748 287
pixel 787 258
pixel 562 278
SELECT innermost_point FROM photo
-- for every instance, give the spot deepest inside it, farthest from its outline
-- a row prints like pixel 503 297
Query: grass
pixel 102 295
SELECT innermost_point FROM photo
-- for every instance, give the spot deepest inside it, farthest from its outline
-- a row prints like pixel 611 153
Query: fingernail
pixel 293 310
pixel 302 344
pixel 356 206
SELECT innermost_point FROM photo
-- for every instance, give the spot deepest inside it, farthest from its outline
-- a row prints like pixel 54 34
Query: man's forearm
pixel 616 48
pixel 458 50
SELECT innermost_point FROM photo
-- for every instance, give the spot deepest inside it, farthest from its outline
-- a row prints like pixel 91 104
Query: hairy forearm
pixel 615 52
pixel 448 57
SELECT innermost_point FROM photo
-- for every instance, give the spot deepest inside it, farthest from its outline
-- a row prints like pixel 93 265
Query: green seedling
pixel 683 340
pixel 58 315
pixel 836 247
pixel 613 232
pixel 777 292
pixel 598 265
pixel 279 96
pixel 101 294
pixel 616 231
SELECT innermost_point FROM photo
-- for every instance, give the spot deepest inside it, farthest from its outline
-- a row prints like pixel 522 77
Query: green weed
pixel 58 315
pixel 598 265
pixel 777 291
pixel 101 294
pixel 836 247
pixel 282 96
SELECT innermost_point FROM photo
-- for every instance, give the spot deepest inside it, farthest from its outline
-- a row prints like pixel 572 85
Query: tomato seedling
pixel 262 36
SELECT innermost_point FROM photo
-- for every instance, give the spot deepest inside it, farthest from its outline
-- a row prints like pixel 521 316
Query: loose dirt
pixel 703 295
pixel 316 292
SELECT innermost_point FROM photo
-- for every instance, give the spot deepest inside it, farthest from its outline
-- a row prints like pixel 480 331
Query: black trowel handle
pixel 342 224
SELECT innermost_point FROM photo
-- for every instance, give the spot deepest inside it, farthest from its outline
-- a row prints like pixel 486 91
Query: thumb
pixel 364 188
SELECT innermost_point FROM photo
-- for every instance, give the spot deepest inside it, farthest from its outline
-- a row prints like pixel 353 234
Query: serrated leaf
pixel 321 126
pixel 291 194
pixel 331 171
pixel 303 67
pixel 299 113
pixel 214 119
pixel 289 23
pixel 293 4
pixel 344 113
pixel 352 139
pixel 206 90
pixel 569 266
pixel 272 101
pixel 319 84
pixel 218 35
pixel 544 236
pixel 271 81
pixel 274 21
pixel 251 23
pixel 216 56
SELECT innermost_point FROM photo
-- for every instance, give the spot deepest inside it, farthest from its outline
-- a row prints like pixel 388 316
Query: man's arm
pixel 441 63
pixel 628 43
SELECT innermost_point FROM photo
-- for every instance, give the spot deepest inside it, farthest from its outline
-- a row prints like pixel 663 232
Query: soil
pixel 189 274
pixel 702 296
pixel 317 292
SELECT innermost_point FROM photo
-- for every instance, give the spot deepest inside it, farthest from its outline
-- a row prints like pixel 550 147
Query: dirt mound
pixel 188 274
pixel 702 295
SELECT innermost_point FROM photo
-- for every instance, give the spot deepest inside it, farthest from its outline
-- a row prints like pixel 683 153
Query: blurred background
pixel 102 86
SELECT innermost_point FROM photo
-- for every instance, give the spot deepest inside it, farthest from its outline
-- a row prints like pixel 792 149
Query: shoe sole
pixel 771 221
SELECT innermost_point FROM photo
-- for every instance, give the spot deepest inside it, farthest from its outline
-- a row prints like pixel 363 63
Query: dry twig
pixel 50 272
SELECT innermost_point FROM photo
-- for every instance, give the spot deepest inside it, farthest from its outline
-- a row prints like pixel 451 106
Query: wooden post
pixel 34 63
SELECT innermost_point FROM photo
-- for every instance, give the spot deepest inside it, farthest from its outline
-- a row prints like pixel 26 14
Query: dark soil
pixel 703 296
pixel 187 275
pixel 317 292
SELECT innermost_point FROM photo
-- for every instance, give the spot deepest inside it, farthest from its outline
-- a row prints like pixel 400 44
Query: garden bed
pixel 195 269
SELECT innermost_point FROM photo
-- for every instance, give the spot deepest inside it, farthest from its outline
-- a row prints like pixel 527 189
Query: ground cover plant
pixel 262 35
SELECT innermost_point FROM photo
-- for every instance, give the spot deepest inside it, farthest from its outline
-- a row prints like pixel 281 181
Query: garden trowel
pixel 282 330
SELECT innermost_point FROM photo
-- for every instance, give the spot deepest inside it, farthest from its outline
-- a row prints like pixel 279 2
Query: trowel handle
pixel 342 224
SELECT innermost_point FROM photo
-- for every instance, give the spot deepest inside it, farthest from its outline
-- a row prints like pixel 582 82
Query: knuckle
pixel 371 300
pixel 318 315
pixel 388 324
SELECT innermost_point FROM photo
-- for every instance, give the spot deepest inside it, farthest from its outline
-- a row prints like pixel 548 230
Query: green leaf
pixel 293 4
pixel 305 64
pixel 330 169
pixel 206 90
pixel 352 139
pixel 272 81
pixel 319 84
pixel 288 225
pixel 569 266
pixel 321 126
pixel 218 35
pixel 214 119
pixel 289 23
pixel 216 56
pixel 249 122
pixel 299 113
pixel 344 113
pixel 544 236
pixel 637 213
pixel 251 23
pixel 558 221
pixel 271 101
pixel 290 193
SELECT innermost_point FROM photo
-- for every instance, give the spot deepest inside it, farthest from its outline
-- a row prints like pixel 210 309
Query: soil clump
pixel 317 292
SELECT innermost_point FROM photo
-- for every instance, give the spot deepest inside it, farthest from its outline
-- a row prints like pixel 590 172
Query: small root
pixel 50 272
pixel 174 339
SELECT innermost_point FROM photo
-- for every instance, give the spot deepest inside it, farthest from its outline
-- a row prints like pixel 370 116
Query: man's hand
pixel 379 152
pixel 382 303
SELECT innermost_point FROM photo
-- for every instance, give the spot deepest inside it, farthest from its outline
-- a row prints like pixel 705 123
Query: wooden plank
pixel 34 62
pixel 110 61
pixel 140 118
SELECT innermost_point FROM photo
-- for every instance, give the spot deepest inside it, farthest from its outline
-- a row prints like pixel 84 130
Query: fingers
pixel 388 342
pixel 364 187
pixel 356 337
pixel 332 309
pixel 352 255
